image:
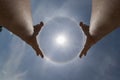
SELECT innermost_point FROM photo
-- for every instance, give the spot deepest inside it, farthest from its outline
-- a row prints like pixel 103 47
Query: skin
pixel 15 15
pixel 105 18
pixel 89 39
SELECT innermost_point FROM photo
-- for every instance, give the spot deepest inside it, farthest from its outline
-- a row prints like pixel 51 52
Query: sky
pixel 19 62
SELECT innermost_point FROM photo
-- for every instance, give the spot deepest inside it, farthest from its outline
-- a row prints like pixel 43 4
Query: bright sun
pixel 61 40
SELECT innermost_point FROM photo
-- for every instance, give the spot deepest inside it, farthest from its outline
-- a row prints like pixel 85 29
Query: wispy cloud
pixel 10 69
pixel 47 11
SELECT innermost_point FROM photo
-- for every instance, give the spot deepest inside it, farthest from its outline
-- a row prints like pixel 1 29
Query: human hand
pixel 34 41
pixel 89 40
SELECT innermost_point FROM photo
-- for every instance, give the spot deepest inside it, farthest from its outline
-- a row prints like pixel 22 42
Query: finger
pixel 84 52
pixel 81 24
pixel 81 55
pixel 40 54
pixel 41 24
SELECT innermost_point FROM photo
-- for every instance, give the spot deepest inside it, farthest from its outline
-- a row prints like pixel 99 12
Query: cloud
pixel 7 76
pixel 45 11
pixel 10 69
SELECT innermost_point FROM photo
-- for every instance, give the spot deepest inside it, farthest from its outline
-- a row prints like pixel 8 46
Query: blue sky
pixel 19 62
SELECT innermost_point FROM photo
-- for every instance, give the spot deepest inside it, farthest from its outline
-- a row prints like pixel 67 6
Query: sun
pixel 61 40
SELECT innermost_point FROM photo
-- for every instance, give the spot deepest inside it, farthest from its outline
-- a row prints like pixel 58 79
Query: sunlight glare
pixel 61 40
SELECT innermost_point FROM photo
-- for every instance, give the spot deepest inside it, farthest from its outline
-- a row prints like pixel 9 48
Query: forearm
pixel 16 16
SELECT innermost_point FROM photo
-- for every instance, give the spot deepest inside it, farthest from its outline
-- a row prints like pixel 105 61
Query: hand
pixel 37 29
pixel 89 40
pixel 33 40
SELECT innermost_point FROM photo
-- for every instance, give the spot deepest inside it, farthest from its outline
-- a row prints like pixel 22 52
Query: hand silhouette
pixel 89 40
pixel 33 42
